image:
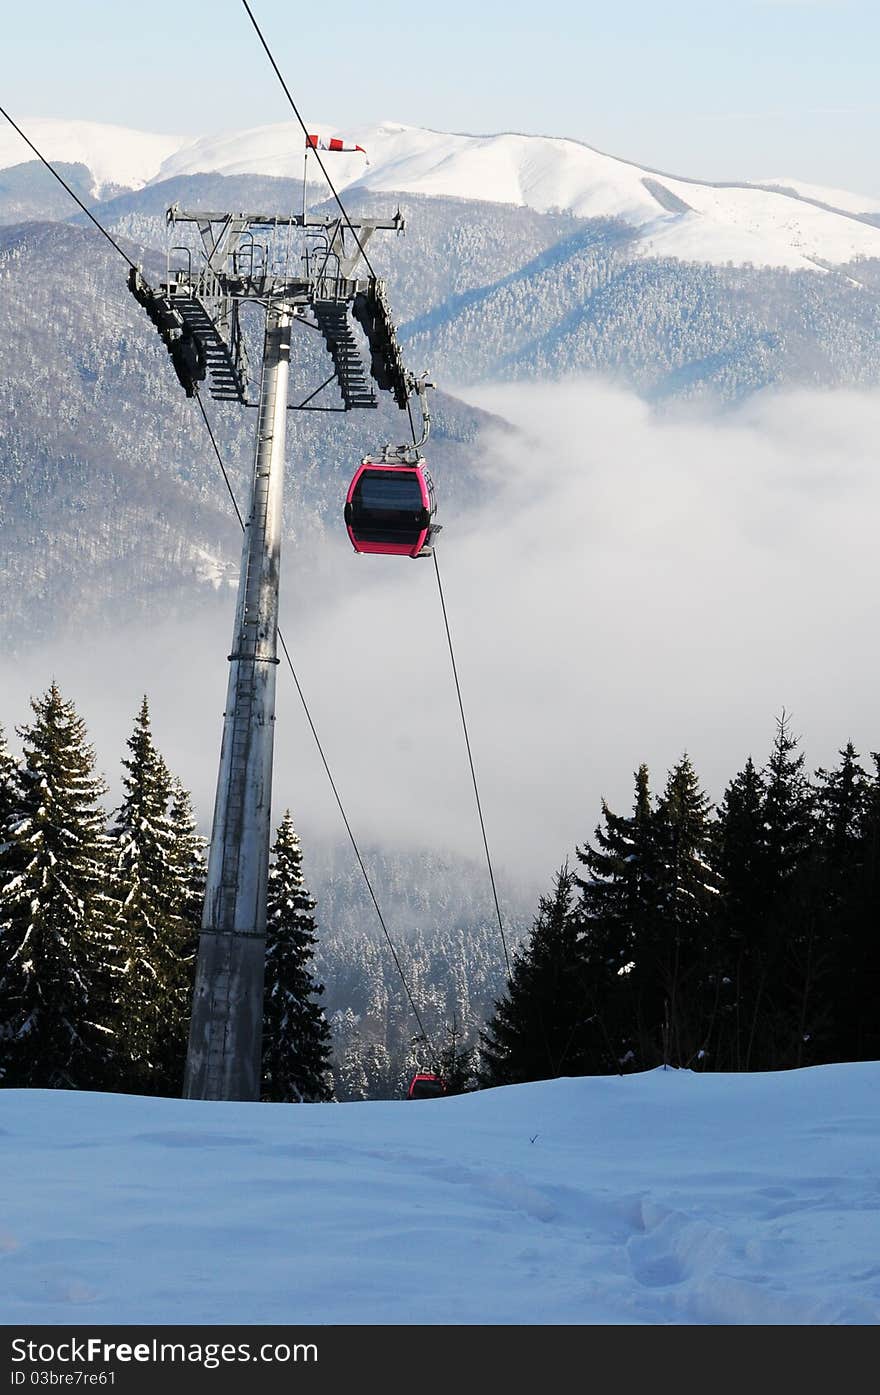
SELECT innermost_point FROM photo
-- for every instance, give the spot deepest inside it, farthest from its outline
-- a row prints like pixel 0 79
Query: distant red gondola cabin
pixel 390 508
pixel 426 1086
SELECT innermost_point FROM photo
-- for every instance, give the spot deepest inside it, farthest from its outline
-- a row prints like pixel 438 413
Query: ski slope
pixel 676 217
pixel 661 1198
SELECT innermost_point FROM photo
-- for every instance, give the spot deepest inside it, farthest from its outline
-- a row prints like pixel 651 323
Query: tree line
pixel 737 938
pixel 100 919
pixel 744 937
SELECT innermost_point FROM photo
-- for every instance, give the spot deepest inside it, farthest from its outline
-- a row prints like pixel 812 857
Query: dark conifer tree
pixel 296 1035
pixel 54 910
pixel 9 803
pixel 457 1066
pixel 843 803
pixel 153 932
pixel 617 910
pixel 860 990
pixel 679 957
pixel 190 870
pixel 9 786
pixel 541 1027
pixel 740 856
pixel 789 960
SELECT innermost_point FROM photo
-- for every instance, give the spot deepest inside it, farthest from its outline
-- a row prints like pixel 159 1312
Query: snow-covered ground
pixel 674 216
pixel 666 1197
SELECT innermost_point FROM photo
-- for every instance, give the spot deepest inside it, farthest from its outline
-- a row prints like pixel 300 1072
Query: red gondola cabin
pixel 390 508
pixel 426 1086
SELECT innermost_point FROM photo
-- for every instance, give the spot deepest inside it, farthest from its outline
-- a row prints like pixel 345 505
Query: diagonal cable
pixel 63 182
pixel 467 742
pixel 296 113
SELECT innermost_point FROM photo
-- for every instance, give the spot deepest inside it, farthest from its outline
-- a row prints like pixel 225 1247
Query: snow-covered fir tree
pixel 296 1036
pixel 54 909
pixel 154 930
pixel 8 785
pixel 190 870
pixel 9 791
pixel 189 859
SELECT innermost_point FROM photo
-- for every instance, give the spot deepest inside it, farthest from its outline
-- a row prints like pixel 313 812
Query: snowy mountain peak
pixel 770 223
pixel 115 155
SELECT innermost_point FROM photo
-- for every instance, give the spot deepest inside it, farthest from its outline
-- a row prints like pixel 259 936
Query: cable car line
pixel 420 539
pixel 467 743
pixel 103 231
pixel 305 129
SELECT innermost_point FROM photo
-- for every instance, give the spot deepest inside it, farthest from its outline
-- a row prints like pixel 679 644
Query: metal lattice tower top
pixel 314 265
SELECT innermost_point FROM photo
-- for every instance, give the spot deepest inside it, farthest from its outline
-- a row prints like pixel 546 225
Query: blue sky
pixel 722 88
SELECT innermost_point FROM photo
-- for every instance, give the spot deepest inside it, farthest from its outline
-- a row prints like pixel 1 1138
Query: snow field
pixel 661 1198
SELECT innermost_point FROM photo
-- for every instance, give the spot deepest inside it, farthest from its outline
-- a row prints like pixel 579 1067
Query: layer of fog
pixel 640 585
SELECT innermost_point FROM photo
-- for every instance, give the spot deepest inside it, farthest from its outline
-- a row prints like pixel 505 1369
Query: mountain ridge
pixel 764 223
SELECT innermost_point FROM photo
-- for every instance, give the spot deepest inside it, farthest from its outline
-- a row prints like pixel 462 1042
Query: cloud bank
pixel 639 585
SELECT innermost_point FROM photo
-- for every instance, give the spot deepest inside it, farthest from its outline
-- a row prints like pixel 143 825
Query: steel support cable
pixel 63 182
pixel 467 741
pixel 412 428
pixel 231 492
pixel 324 761
pixel 305 129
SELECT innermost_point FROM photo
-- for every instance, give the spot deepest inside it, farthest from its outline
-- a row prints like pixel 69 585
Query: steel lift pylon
pixel 301 270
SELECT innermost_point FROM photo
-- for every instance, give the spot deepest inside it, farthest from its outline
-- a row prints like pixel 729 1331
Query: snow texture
pixel 659 1198
pixel 692 220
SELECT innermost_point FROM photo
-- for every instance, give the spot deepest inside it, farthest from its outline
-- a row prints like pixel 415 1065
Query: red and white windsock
pixel 333 143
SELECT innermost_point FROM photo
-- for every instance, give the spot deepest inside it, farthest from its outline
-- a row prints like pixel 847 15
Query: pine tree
pixel 789 960
pixel 647 906
pixel 9 810
pixel 189 871
pixel 680 955
pixel 457 1066
pixel 540 1028
pixel 741 858
pixel 9 786
pixel 617 908
pixel 859 992
pixel 54 910
pixel 296 1036
pixel 843 804
pixel 153 929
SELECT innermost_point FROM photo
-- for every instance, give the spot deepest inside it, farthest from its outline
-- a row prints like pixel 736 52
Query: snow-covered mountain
pixel 777 223
pixel 114 155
